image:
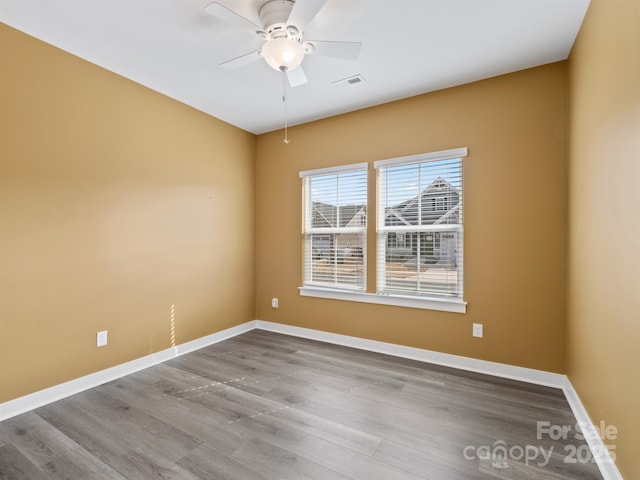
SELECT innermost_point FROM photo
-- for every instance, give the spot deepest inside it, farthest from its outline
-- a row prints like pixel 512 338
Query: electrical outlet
pixel 101 338
pixel 477 330
pixel 274 302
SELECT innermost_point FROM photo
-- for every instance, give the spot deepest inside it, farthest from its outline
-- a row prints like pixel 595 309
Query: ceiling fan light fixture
pixel 283 53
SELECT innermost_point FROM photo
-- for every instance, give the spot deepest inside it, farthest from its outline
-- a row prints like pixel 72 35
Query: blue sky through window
pixel 348 188
pixel 405 182
pixel 408 181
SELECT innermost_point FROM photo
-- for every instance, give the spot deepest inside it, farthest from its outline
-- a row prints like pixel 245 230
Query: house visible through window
pixel 335 227
pixel 420 202
pixel 419 241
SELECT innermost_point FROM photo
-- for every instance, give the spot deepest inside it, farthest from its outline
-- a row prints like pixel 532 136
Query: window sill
pixel 441 304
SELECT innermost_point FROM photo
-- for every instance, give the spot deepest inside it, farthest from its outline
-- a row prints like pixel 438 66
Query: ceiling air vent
pixel 349 82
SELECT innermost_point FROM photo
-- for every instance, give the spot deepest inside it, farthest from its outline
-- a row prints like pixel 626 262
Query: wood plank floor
pixel 265 406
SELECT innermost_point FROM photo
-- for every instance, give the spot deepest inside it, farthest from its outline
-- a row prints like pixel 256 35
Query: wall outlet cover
pixel 101 338
pixel 477 330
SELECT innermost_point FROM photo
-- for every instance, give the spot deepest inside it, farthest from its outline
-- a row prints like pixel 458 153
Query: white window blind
pixel 335 227
pixel 419 225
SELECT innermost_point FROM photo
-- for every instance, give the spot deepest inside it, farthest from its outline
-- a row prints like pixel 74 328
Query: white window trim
pixel 422 157
pixel 330 230
pixel 354 167
pixel 381 228
pixel 443 227
pixel 425 303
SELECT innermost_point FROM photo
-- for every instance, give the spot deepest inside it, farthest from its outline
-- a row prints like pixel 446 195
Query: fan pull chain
pixel 284 100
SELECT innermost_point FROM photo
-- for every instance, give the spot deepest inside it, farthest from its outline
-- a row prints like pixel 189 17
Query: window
pixel 420 199
pixel 335 227
pixel 419 232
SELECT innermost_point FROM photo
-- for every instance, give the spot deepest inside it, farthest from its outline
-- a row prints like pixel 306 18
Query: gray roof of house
pixel 404 213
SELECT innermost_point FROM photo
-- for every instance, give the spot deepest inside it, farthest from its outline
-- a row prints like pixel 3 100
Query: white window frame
pixel 308 230
pixel 445 304
pixel 381 229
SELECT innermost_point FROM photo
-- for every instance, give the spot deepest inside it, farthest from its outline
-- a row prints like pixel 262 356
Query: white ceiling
pixel 409 47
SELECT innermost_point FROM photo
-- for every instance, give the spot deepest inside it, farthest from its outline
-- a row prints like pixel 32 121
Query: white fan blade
pixel 241 61
pixel 346 50
pixel 234 18
pixel 303 12
pixel 296 77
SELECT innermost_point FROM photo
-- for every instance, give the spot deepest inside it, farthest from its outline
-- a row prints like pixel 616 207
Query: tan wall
pixel 116 204
pixel 603 339
pixel 515 216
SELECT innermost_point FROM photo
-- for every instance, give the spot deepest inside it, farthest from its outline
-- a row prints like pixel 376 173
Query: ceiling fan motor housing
pixel 274 15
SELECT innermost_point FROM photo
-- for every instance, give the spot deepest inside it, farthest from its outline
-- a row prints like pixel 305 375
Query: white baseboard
pixel 48 395
pixel 43 397
pixel 599 450
pixel 529 375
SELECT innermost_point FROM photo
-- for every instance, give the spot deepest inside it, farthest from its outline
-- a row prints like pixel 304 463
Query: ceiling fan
pixel 283 23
